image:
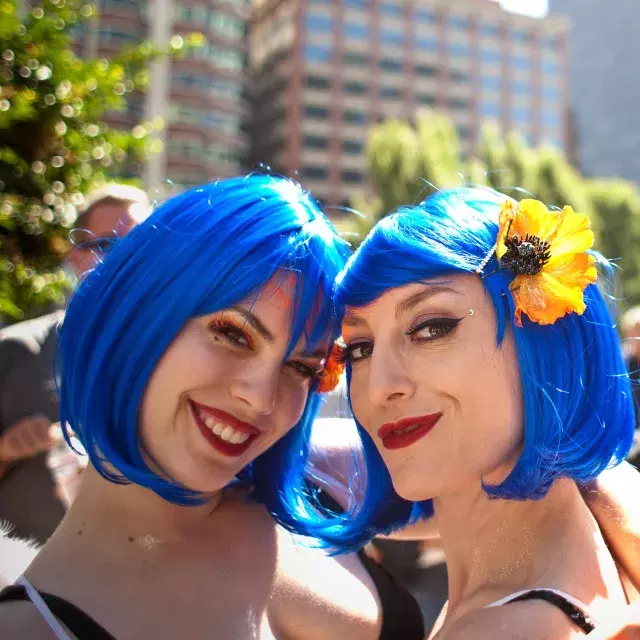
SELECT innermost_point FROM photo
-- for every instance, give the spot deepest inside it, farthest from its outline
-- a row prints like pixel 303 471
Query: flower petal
pixel 573 234
pixel 572 269
pixel 534 219
pixel 545 298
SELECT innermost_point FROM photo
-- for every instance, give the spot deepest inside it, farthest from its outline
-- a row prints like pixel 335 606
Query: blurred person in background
pixel 630 329
pixel 30 503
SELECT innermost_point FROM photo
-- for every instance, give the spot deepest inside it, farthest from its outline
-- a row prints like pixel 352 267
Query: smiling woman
pixel 191 363
pixel 487 381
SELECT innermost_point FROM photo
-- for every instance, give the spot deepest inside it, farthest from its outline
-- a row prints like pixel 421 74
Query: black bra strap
pixel 78 622
pixel 578 617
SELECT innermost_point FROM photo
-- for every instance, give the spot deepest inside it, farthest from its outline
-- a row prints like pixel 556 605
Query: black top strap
pixel 577 615
pixel 77 621
pixel 401 614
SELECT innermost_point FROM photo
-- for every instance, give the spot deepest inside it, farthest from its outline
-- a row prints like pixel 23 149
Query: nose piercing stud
pixel 471 312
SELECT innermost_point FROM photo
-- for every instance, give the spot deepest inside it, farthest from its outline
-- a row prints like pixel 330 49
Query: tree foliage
pixel 408 161
pixel 55 145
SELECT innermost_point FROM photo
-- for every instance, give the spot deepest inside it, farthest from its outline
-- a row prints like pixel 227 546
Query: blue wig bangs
pixel 200 252
pixel 578 407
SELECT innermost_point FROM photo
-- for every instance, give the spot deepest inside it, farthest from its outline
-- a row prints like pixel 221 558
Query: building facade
pixel 322 72
pixel 604 52
pixel 199 97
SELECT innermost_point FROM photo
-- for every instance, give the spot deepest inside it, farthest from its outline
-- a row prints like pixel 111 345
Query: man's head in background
pixel 630 328
pixel 108 213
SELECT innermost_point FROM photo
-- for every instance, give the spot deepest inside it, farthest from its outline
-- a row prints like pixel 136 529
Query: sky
pixel 534 8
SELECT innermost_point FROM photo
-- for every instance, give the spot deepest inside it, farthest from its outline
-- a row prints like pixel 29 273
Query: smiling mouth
pixel 401 434
pixel 223 431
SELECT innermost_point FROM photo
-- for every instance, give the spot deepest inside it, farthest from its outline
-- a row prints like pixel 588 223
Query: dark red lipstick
pixel 397 435
pixel 222 417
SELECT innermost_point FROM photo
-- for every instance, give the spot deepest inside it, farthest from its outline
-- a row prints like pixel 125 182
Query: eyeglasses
pixel 99 245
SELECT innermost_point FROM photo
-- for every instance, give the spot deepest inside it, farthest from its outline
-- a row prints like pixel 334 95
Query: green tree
pixel 407 163
pixel 617 204
pixel 54 143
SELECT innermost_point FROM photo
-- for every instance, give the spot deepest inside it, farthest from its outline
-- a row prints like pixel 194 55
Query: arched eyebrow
pixel 353 320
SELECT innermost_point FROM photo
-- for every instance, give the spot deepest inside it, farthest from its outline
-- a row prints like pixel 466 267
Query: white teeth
pixel 223 431
pixel 227 434
pixel 218 428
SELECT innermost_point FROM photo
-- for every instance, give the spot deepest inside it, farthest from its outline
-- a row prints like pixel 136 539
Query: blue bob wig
pixel 202 251
pixel 578 407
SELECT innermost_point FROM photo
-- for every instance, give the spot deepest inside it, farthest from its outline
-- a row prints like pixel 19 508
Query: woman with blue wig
pixel 487 381
pixel 192 360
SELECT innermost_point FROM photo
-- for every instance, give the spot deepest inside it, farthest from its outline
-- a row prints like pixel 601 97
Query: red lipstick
pixel 222 446
pixel 401 434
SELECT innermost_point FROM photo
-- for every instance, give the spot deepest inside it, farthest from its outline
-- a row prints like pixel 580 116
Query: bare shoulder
pixel 19 620
pixel 316 596
pixel 530 620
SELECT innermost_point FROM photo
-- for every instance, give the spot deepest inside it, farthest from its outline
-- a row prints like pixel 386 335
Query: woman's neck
pixel 494 547
pixel 104 508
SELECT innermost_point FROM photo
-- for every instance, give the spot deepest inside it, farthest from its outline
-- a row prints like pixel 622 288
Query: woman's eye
pixel 305 370
pixel 231 333
pixel 355 352
pixel 435 328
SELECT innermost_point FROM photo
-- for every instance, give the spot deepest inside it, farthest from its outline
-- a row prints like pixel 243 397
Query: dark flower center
pixel 525 257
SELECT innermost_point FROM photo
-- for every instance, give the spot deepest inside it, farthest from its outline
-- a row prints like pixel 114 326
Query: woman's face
pixel 440 400
pixel 223 392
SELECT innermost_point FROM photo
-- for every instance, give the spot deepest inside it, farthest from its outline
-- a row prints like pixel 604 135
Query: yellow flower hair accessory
pixel 333 370
pixel 546 250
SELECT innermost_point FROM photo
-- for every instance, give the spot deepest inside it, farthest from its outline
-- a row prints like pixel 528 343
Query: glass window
pixel 425 99
pixel 459 103
pixel 354 117
pixel 424 70
pixel 460 76
pixel 356 30
pixel 356 4
pixel 521 114
pixel 549 42
pixel 352 176
pixel 227 25
pixel 391 9
pixel 317 82
pixel 318 22
pixel 392 37
pixel 357 59
pixel 458 22
pixel 425 43
pixel 490 55
pixel 550 118
pixel 550 66
pixel 490 110
pixel 459 49
pixel 521 62
pixel 463 132
pixel 424 15
pixel 491 82
pixel 387 64
pixel 521 35
pixel 317 53
pixel 550 92
pixel 522 88
pixel 489 30
pixel 314 172
pixel 317 112
pixel 390 92
pixel 355 88
pixel 354 147
pixel 315 142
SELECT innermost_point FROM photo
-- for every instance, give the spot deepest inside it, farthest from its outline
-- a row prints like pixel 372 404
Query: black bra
pixel 76 620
